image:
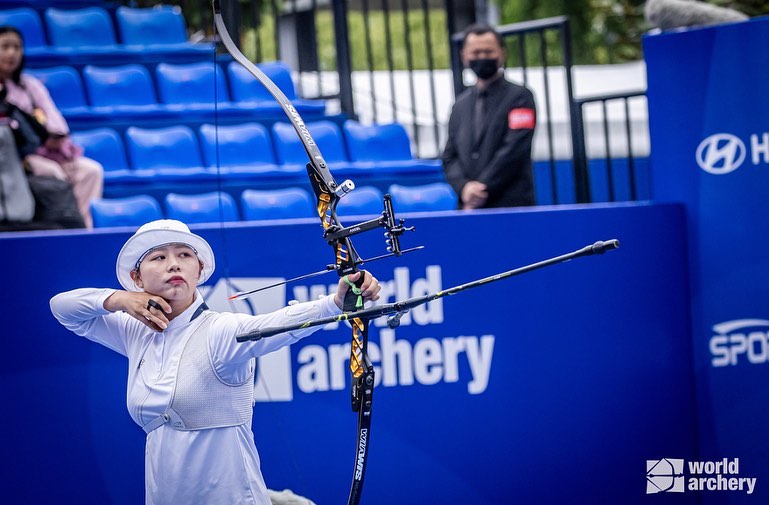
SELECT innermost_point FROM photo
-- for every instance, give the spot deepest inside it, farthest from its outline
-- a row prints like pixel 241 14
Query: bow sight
pixel 328 193
pixel 393 229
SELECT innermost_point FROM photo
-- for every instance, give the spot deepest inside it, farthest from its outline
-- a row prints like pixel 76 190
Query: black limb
pixel 362 394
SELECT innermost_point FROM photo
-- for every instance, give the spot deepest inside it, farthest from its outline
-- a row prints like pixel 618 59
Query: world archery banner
pixel 709 122
pixel 555 386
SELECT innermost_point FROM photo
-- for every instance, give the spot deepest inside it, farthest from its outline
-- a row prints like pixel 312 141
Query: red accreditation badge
pixel 520 119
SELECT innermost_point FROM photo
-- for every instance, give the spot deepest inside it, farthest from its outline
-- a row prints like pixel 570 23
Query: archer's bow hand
pixel 369 289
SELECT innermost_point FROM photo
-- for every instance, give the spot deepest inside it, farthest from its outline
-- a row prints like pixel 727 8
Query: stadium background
pixel 597 365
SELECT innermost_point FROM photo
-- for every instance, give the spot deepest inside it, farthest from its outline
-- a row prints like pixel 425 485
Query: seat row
pixel 287 203
pixel 41 5
pixel 248 151
pixel 69 35
pixel 129 91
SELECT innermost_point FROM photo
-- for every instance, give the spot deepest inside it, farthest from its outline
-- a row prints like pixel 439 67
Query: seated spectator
pixel 16 203
pixel 58 157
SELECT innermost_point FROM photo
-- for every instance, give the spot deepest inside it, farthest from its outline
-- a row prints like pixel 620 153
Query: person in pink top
pixel 58 157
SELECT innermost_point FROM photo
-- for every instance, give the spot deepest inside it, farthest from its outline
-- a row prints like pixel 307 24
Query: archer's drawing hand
pixel 136 304
pixel 369 289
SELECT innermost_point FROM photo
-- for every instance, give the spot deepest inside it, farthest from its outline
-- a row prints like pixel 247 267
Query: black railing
pixel 287 30
pixel 385 60
pixel 401 55
pixel 611 149
pixel 398 56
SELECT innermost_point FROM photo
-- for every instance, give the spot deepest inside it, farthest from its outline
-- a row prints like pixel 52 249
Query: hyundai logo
pixel 720 154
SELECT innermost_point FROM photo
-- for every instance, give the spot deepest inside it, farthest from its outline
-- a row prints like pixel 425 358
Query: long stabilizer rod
pixel 403 306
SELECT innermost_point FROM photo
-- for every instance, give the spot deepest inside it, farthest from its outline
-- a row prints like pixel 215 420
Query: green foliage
pixel 416 23
pixel 578 12
pixel 604 31
pixel 618 26
pixel 750 7
pixel 380 29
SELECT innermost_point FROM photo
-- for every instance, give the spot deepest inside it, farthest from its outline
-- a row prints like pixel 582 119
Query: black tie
pixel 479 115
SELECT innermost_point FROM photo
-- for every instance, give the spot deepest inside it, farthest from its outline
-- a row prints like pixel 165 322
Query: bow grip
pixel 351 299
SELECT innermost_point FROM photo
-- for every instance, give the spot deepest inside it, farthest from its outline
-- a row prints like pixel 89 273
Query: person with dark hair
pixel 487 158
pixel 58 157
pixel 190 383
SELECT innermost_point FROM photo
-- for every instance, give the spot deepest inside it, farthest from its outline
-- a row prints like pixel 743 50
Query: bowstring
pixel 217 157
pixel 258 375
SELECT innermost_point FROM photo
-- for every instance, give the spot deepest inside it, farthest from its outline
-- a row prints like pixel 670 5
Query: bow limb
pixel 313 153
pixel 328 193
pixel 361 393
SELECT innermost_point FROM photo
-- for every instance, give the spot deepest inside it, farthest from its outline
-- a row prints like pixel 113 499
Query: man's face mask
pixel 484 68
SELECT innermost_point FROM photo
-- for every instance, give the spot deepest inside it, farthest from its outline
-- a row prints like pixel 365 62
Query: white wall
pixel 588 81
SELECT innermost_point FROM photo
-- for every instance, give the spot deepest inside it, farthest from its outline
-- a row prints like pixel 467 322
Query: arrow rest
pixel 328 193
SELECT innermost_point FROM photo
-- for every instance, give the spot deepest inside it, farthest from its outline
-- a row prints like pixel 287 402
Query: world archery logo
pixel 315 366
pixel 720 154
pixel 664 475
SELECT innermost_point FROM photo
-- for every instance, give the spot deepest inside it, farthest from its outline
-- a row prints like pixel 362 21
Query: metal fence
pixel 377 60
pixel 394 60
pixel 269 30
pixel 621 146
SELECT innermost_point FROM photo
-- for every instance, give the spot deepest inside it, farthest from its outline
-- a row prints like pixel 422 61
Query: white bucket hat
pixel 157 234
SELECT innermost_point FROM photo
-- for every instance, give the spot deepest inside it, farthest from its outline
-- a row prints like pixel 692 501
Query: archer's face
pixel 171 272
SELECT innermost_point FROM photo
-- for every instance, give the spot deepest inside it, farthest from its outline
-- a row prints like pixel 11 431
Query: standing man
pixel 487 158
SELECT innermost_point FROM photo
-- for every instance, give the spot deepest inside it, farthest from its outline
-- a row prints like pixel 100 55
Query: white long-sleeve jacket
pixel 209 466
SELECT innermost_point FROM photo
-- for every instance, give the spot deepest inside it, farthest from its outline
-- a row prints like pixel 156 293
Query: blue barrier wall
pixel 553 387
pixel 709 120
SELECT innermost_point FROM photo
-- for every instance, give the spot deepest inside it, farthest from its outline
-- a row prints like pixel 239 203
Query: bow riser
pixel 328 193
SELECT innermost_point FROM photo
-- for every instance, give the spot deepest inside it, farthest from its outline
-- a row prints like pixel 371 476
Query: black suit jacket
pixel 501 158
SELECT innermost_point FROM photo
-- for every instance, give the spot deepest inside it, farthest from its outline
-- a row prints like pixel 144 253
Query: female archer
pixel 190 384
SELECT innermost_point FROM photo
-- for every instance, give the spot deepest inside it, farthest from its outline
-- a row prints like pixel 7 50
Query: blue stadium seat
pixel 362 200
pixel 159 33
pixel 384 142
pixel 65 87
pixel 327 136
pixel 162 24
pixel 122 86
pixel 384 147
pixel 77 36
pixel 105 146
pixel 203 208
pixel 276 204
pixel 76 29
pixel 245 87
pixel 430 197
pixel 167 154
pixel 130 211
pixel 28 22
pixel 192 84
pixel 175 146
pixel 242 149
